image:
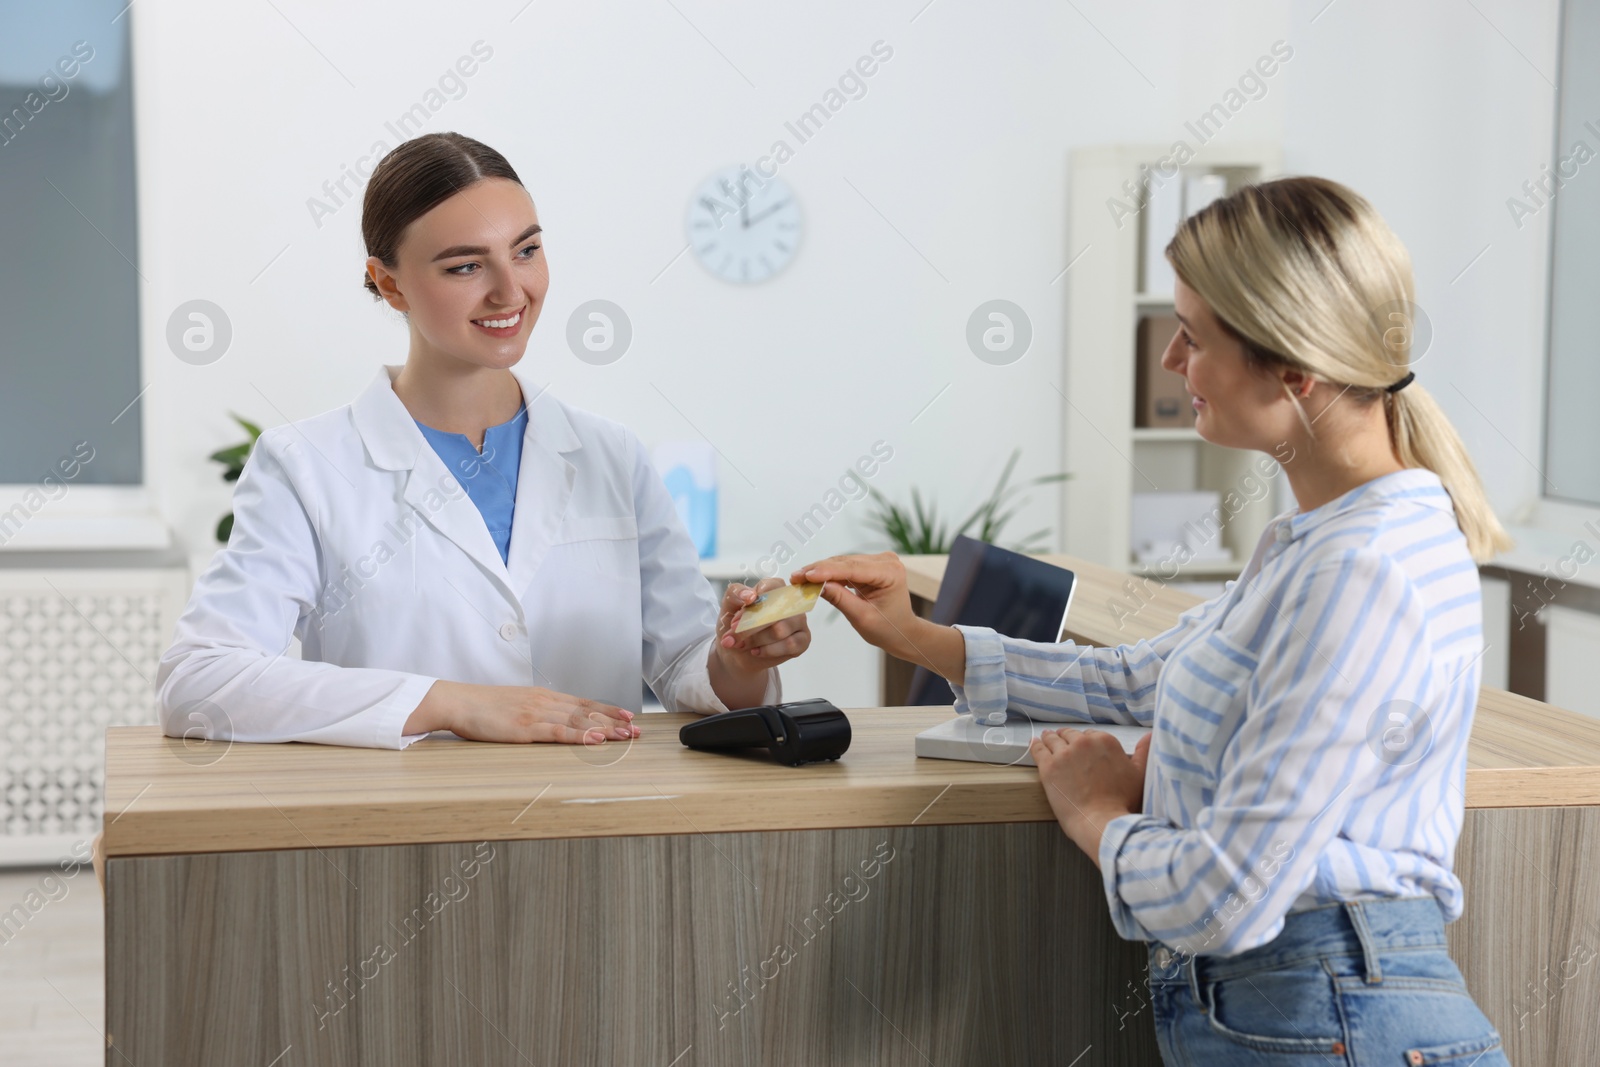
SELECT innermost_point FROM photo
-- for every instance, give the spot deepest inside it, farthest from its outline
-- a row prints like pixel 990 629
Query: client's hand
pixel 1089 780
pixel 870 592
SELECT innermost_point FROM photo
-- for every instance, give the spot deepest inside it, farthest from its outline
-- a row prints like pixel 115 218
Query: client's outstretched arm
pixel 871 593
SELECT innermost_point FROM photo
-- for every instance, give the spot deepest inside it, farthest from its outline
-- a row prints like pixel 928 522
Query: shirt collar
pixel 394 441
pixel 1415 484
pixel 508 432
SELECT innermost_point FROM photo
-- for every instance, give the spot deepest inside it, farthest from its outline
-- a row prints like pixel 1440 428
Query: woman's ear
pixel 388 285
pixel 1298 382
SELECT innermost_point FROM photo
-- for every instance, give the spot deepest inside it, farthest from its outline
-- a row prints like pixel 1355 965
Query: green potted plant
pixel 918 530
pixel 232 459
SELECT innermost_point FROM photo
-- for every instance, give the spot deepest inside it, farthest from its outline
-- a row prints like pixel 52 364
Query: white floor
pixel 52 968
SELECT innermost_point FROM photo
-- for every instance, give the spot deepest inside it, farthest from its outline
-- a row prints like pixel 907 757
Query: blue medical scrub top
pixel 490 477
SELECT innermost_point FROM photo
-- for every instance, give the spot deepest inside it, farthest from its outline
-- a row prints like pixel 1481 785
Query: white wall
pixel 1438 111
pixel 614 113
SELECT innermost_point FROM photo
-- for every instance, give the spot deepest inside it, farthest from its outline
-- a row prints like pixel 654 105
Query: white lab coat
pixel 351 534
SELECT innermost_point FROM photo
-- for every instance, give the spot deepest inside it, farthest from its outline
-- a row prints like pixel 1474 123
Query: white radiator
pixel 78 653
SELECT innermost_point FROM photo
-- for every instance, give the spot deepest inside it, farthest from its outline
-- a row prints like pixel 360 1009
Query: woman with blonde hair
pixel 1284 839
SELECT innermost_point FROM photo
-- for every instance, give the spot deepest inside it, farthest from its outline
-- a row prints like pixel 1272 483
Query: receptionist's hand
pixel 870 592
pixel 519 714
pixel 756 650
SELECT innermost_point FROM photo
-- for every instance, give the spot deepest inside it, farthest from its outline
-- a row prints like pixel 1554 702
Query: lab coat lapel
pixel 394 443
pixel 544 486
pixel 435 491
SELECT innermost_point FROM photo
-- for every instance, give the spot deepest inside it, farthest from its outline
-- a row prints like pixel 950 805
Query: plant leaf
pixel 919 530
pixel 251 428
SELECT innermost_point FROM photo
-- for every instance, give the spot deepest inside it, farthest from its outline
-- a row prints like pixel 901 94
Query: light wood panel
pixel 1529 940
pixel 971 944
pixel 629 950
pixel 296 796
pixel 163 799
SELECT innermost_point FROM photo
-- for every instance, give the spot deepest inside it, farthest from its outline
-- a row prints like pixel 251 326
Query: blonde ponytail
pixel 1423 437
pixel 1305 272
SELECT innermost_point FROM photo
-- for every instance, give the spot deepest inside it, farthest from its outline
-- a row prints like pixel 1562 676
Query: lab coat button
pixel 509 631
pixel 1163 958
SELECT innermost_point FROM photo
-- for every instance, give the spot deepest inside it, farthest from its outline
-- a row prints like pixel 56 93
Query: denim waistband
pixel 1361 928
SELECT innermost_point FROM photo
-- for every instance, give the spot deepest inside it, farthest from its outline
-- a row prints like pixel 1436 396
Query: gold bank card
pixel 781 603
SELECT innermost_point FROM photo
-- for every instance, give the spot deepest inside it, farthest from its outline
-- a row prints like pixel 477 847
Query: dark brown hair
pixel 418 176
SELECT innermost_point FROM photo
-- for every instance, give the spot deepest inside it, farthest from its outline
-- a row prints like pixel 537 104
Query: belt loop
pixel 1369 950
pixel 1191 963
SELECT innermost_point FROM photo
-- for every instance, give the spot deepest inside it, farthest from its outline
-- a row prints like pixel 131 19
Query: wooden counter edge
pixel 222 829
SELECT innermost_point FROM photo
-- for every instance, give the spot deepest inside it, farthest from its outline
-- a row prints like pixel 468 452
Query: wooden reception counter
pixel 641 903
pixel 500 904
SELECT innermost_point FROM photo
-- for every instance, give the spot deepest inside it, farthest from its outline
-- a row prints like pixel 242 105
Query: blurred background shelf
pixel 1110 456
pixel 1165 433
pixel 1196 570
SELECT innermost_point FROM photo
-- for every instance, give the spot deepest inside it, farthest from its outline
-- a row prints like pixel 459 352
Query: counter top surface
pixel 166 795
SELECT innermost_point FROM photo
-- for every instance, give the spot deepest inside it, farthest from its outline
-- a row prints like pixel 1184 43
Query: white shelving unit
pixel 1111 459
pixel 1165 433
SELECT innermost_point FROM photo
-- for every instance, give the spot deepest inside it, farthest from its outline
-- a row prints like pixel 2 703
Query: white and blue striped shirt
pixel 1310 722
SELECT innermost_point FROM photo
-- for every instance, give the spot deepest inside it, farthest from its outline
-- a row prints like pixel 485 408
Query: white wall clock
pixel 742 225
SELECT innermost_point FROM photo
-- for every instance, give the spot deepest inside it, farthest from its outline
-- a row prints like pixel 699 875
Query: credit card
pixel 775 604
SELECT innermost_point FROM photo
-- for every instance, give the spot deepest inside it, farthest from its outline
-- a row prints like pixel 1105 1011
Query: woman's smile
pixel 502 325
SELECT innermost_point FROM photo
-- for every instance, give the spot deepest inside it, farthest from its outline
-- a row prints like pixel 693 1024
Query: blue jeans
pixel 1356 984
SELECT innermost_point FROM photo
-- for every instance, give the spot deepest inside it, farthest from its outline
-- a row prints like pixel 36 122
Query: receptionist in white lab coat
pixel 456 550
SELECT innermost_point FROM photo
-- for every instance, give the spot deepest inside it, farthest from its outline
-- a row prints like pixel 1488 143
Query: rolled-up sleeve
pixel 679 609
pixel 1066 681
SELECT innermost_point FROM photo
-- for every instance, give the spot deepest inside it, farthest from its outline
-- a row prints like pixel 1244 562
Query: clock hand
pixel 744 213
pixel 774 208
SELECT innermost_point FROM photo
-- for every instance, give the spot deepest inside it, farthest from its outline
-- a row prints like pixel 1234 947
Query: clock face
pixel 743 226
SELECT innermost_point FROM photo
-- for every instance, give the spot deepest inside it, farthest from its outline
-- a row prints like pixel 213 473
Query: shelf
pixel 111 531
pixel 1110 457
pixel 1209 568
pixel 726 568
pixel 1166 433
